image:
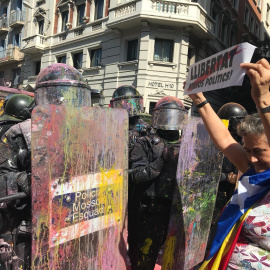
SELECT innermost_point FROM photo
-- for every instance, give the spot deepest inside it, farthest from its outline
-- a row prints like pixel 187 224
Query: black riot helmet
pixel 169 114
pixel 61 84
pixel 18 108
pixel 7 99
pixel 127 97
pixel 233 112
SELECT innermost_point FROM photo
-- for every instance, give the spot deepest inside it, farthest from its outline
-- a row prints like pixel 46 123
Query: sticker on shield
pixel 79 187
pixel 83 205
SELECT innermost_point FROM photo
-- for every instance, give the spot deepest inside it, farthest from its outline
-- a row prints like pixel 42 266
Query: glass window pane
pixel 132 50
pixel 80 15
pixel 40 27
pixel 96 56
pixel 64 20
pixel 99 9
pixel 163 50
pixel 77 60
pixel 62 59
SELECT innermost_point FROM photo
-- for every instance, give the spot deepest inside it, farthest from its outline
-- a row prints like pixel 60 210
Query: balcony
pixel 10 55
pixel 3 25
pixel 16 18
pixel 172 13
pixel 73 34
pixel 34 44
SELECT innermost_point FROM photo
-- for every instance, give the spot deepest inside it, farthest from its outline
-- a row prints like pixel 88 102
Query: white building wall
pixel 265 24
pixel 128 21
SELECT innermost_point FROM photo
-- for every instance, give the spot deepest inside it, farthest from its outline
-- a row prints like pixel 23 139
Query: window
pixel 2 48
pixel 37 67
pixel 80 14
pixel 18 4
pixel 2 44
pixel 215 18
pixel 224 31
pixel 99 9
pixel 233 37
pixel 2 74
pixel 77 60
pixel 17 40
pixel 152 106
pixel 132 50
pixel 163 50
pixel 257 30
pixel 64 20
pixel 235 4
pixel 5 9
pixel 95 57
pixel 267 13
pixel 191 57
pixel 62 59
pixel 16 76
pixel 251 24
pixel 41 27
pixel 246 18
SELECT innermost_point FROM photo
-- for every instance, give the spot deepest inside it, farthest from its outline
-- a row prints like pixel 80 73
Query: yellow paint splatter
pixel 146 246
pixel 168 257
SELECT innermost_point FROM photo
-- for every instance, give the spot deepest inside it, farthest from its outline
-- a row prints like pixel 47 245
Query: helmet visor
pixel 131 104
pixel 168 119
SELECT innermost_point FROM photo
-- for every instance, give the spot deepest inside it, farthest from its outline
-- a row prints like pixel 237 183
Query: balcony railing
pixel 16 18
pixel 87 29
pixel 34 44
pixel 3 23
pixel 174 12
pixel 12 54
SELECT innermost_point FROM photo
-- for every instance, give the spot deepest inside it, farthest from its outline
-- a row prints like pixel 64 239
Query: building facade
pixel 147 43
pixel 12 21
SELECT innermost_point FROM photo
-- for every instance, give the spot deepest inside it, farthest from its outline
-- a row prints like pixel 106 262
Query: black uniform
pixel 15 168
pixel 154 161
pixel 137 128
pixel 5 126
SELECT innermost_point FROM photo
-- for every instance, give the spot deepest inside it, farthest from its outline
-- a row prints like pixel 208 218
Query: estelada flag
pixel 252 187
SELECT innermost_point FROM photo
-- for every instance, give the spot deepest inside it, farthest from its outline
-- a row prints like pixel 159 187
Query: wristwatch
pixel 263 110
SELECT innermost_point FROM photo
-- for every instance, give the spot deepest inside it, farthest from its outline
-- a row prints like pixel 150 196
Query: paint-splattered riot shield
pixel 79 187
pixel 198 175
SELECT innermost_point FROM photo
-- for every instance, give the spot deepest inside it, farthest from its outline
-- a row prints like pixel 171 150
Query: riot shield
pixel 198 173
pixel 79 187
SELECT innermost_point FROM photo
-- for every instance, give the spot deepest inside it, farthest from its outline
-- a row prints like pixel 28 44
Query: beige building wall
pixel 265 24
pixel 143 20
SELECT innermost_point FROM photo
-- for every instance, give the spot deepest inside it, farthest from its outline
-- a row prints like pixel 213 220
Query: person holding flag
pixel 242 239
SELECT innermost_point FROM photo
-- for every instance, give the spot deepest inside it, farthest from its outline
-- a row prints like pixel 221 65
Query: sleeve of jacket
pixel 146 164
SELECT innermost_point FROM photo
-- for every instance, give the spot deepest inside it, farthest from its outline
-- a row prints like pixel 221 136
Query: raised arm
pixel 259 75
pixel 220 135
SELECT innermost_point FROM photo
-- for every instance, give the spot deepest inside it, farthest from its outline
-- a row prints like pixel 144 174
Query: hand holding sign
pixel 259 75
pixel 220 70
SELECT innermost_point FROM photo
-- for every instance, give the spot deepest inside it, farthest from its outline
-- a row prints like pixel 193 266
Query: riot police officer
pixel 128 97
pixel 57 84
pixel 17 108
pixel 154 161
pixel 234 113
